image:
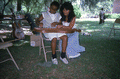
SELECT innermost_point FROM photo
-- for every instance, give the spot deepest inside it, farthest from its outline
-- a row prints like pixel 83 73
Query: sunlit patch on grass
pixel 93 26
pixel 21 42
pixel 103 34
pixel 92 30
pixel 88 24
pixel 106 25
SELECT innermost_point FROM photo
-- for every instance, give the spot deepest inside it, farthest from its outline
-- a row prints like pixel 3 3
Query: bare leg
pixel 53 45
pixel 64 43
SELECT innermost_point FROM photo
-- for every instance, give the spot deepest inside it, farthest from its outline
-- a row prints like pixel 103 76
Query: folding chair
pixel 42 46
pixel 5 45
pixel 113 27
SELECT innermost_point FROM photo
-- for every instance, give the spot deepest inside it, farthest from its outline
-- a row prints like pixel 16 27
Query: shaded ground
pixel 101 60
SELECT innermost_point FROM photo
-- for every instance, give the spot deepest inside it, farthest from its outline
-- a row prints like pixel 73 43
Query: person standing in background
pixel 101 16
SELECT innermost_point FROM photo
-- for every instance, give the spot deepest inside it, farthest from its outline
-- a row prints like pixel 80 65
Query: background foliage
pixel 82 8
pixel 113 16
pixel 77 11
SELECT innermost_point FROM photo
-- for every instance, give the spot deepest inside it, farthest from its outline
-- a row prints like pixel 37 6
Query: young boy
pixel 50 20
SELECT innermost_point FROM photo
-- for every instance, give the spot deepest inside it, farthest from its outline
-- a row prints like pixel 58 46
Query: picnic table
pixel 9 17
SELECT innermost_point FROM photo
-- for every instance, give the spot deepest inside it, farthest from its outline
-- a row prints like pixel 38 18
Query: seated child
pixel 50 20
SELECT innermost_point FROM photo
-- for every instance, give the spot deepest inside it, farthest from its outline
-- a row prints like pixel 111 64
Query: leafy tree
pixel 107 5
pixel 32 6
pixel 77 11
pixel 37 6
pixel 3 4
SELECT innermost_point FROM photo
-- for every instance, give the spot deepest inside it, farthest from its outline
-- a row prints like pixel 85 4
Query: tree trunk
pixel 19 5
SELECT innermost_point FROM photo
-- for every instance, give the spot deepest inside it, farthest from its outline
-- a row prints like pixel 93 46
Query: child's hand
pixel 54 24
pixel 59 26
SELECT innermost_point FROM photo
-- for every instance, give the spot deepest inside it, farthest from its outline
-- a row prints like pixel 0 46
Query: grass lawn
pixel 101 60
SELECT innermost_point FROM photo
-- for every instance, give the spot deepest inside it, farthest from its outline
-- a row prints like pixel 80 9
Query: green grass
pixel 101 60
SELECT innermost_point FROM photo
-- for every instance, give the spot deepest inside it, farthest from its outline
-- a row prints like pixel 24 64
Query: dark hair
pixel 101 8
pixel 67 6
pixel 56 4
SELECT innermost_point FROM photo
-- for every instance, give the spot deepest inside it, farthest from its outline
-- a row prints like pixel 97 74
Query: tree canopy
pixel 37 6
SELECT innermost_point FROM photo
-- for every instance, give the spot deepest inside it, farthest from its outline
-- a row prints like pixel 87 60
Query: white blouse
pixel 67 24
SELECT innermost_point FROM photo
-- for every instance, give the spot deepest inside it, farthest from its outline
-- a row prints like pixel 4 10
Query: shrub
pixel 77 11
pixel 112 16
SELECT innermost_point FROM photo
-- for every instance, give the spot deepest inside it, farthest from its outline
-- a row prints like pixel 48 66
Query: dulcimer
pixel 55 30
pixel 36 29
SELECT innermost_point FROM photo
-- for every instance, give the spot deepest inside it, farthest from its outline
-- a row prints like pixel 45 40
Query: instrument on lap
pixel 17 29
pixel 55 30
pixel 35 29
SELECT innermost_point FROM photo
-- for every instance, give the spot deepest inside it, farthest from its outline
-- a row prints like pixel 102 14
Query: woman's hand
pixel 59 26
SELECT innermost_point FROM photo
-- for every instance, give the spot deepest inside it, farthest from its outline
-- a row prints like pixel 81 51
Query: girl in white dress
pixel 68 21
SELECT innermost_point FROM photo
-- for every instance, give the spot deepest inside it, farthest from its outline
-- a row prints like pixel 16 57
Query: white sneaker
pixel 54 61
pixel 64 60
